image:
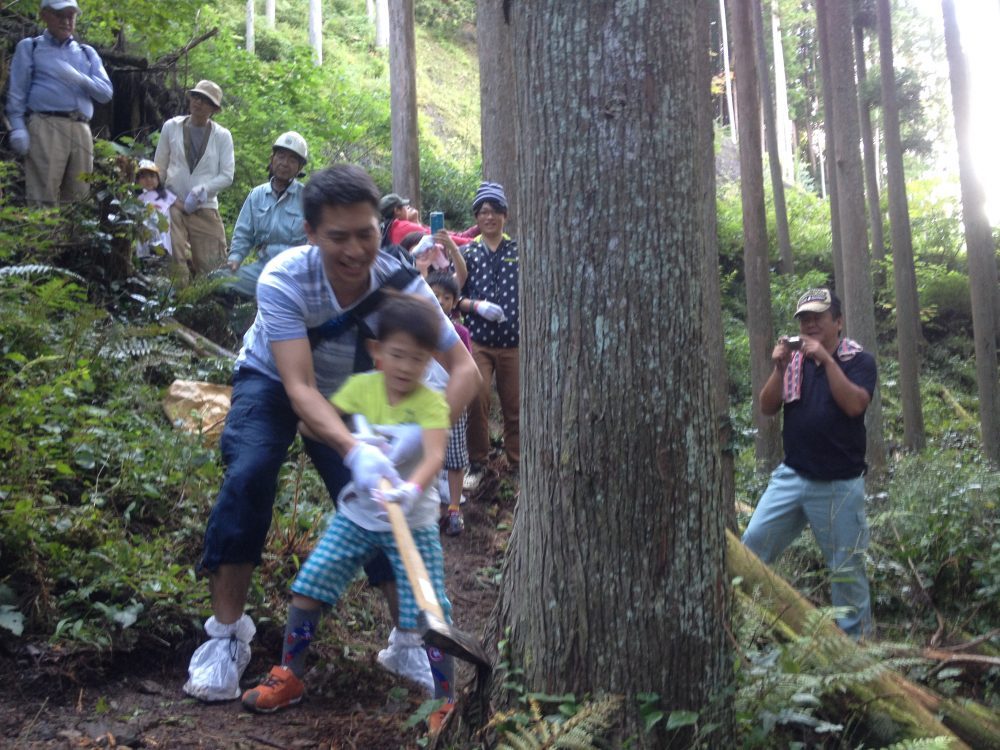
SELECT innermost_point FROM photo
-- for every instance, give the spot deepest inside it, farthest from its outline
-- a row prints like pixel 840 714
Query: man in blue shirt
pixel 54 81
pixel 823 383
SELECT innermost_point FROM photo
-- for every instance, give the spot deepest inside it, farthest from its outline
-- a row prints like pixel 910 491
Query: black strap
pixel 355 318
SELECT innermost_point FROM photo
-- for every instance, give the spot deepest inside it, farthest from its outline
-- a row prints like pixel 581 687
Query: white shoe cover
pixel 217 665
pixel 407 657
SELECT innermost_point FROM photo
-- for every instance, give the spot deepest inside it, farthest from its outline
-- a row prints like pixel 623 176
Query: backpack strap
pixel 355 318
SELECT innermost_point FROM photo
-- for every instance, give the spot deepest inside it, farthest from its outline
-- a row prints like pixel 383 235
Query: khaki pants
pixel 504 363
pixel 198 241
pixel 61 150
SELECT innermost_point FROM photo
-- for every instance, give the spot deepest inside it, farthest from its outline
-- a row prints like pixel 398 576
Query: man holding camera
pixel 824 384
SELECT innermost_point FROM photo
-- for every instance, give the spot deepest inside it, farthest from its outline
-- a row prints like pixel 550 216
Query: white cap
pixel 294 143
pixel 60 4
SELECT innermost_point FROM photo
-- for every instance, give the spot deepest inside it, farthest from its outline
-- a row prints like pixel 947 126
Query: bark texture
pixel 978 243
pixel 403 101
pixel 829 130
pixel 269 13
pixel 908 333
pixel 497 100
pixel 316 30
pixel 615 576
pixel 249 28
pixel 756 263
pixel 868 144
pixel 859 305
pixel 381 23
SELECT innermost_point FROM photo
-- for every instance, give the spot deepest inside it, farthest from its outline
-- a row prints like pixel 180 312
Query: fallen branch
pixel 953 403
pixel 200 344
pixel 171 58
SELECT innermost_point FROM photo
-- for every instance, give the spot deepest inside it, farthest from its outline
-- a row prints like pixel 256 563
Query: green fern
pixel 32 270
pixel 535 731
pixel 933 743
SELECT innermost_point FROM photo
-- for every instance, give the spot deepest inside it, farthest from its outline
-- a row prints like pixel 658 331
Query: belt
pixel 74 115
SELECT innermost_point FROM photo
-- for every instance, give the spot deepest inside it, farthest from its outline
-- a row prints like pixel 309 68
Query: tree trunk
pixel 403 101
pixel 370 10
pixel 728 72
pixel 979 245
pixel 830 158
pixel 497 100
pixel 615 577
pixel 756 264
pixel 786 149
pixel 316 30
pixel 859 304
pixel 771 131
pixel 904 276
pixel 868 144
pixel 269 13
pixel 249 32
pixel 715 342
pixel 381 23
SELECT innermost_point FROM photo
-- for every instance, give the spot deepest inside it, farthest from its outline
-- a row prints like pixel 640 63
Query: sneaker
pixel 437 719
pixel 456 524
pixel 280 689
pixel 473 478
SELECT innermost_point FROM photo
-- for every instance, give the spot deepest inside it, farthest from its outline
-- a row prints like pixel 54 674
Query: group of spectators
pixel 321 258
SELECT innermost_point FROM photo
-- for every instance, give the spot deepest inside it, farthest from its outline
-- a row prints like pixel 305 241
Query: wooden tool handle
pixel 416 572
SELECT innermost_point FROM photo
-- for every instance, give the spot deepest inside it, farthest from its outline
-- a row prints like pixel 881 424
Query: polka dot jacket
pixel 493 276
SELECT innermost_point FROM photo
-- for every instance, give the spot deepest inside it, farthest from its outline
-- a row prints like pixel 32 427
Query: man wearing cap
pixel 824 384
pixel 271 219
pixel 54 82
pixel 490 294
pixel 195 156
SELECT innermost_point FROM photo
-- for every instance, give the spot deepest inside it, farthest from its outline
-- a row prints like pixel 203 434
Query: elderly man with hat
pixel 823 383
pixel 271 219
pixel 195 156
pixel 490 294
pixel 54 82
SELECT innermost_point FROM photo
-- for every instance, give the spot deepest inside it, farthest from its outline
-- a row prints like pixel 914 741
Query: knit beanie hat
pixel 492 192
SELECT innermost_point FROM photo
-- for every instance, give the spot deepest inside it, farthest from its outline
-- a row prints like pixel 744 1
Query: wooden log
pixel 202 345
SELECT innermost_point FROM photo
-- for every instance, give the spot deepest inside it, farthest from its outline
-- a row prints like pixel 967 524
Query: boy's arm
pixel 463 378
pixel 426 472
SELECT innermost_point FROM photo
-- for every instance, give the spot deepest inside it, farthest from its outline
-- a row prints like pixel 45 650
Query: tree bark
pixel 859 304
pixel 786 149
pixel 370 10
pixel 381 23
pixel 830 158
pixel 269 13
pixel 615 580
pixel 728 72
pixel 249 29
pixel 715 342
pixel 497 100
pixel 787 265
pixel 316 30
pixel 871 164
pixel 756 264
pixel 403 101
pixel 979 245
pixel 908 333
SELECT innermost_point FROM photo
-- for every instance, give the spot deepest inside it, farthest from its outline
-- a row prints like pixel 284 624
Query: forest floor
pixel 137 702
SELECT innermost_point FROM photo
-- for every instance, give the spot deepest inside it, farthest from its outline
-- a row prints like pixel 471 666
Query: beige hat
pixel 210 90
pixel 145 165
pixel 815 300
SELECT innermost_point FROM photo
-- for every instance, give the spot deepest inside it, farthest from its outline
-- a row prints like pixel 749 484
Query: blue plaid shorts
pixel 345 547
pixel 456 455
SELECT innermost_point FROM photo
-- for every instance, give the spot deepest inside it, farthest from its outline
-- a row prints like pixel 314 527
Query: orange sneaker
pixel 437 719
pixel 280 689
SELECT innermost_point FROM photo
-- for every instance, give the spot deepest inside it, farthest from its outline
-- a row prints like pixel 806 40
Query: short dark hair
pixel 339 185
pixel 835 307
pixel 444 280
pixel 409 314
pixel 410 240
pixel 497 208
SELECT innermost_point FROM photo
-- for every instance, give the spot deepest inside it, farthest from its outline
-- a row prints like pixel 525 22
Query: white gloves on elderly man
pixel 195 199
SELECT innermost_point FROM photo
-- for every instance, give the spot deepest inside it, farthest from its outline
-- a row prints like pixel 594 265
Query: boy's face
pixel 402 361
pixel 445 298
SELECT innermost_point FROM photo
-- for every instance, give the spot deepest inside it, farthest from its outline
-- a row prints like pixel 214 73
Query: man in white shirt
pixel 196 156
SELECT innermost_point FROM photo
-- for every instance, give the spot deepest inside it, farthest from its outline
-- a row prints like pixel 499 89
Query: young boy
pixel 456 458
pixel 393 394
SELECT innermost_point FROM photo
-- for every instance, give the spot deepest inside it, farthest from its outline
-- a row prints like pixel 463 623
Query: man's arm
pixel 162 155
pixel 463 378
pixel 293 359
pixel 243 234
pixel 95 81
pixel 771 394
pixel 20 83
pixel 227 166
pixel 852 398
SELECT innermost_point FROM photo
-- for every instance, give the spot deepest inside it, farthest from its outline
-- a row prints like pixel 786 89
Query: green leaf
pixel 678 719
pixel 652 718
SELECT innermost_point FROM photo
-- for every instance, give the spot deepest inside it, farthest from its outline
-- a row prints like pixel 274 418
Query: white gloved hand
pixel 489 310
pixel 405 495
pixel 405 442
pixel 69 75
pixel 195 198
pixel 369 466
pixel 20 141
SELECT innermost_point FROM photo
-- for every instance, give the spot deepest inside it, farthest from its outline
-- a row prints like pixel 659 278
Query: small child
pixel 158 222
pixel 408 333
pixel 456 457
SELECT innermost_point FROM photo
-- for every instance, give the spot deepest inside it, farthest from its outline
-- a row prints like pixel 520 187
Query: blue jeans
pixel 260 427
pixel 835 510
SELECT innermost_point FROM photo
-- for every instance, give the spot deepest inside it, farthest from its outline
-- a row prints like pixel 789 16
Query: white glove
pixel 405 495
pixel 425 245
pixel 194 199
pixel 20 141
pixel 489 310
pixel 405 442
pixel 69 75
pixel 369 466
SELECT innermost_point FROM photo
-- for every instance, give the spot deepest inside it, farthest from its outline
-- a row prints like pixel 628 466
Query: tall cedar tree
pixel 868 139
pixel 829 131
pixel 403 101
pixel 615 577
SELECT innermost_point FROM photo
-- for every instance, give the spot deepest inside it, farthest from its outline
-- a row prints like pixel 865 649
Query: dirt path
pixel 352 702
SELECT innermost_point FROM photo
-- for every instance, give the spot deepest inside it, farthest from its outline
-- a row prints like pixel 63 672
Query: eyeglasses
pixel 487 213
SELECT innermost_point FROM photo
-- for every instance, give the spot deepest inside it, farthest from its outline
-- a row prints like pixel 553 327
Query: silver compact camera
pixel 794 342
